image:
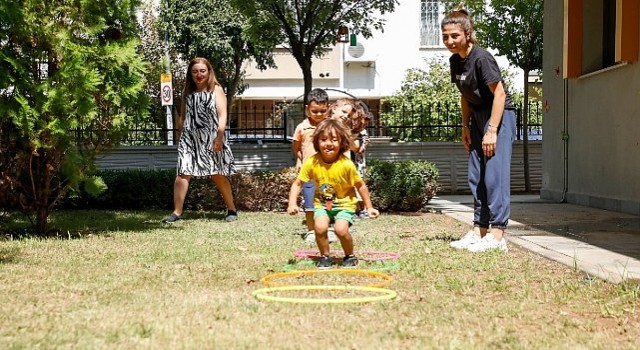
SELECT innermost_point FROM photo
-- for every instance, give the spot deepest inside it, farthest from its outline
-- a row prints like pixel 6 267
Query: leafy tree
pixel 427 106
pixel 70 78
pixel 214 30
pixel 308 27
pixel 515 29
pixel 426 98
pixel 152 49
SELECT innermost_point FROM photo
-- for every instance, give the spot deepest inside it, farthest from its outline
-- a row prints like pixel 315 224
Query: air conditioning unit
pixel 357 53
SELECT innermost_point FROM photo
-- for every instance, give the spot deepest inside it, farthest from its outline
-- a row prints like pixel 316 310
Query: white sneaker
pixel 464 242
pixel 332 235
pixel 310 236
pixel 489 242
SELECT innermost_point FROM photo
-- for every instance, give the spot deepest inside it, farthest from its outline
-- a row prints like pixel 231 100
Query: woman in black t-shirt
pixel 488 129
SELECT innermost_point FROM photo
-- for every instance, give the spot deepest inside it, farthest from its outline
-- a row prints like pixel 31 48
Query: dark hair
pixel 460 16
pixel 318 95
pixel 331 126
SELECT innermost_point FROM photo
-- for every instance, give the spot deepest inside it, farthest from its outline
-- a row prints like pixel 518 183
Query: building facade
pixel 591 97
pixel 371 69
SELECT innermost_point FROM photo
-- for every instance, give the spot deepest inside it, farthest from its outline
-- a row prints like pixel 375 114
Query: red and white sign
pixel 166 89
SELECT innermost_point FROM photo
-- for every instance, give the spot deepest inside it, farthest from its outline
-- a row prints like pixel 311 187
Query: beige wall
pixel 288 68
pixel 602 162
pixel 552 95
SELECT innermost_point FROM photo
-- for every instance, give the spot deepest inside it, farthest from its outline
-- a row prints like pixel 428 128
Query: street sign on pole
pixel 166 94
pixel 166 89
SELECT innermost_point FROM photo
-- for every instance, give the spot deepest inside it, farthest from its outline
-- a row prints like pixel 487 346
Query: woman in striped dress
pixel 203 149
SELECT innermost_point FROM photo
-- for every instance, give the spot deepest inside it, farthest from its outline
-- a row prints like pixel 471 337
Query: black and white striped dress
pixel 195 148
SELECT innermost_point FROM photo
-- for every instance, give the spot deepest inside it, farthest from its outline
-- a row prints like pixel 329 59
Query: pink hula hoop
pixel 378 255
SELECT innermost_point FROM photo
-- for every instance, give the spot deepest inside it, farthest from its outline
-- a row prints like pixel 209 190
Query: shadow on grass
pixel 75 224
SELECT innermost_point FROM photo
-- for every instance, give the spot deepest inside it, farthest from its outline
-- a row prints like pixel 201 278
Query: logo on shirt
pixel 327 194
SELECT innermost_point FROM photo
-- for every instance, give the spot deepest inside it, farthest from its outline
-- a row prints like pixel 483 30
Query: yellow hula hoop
pixel 386 279
pixel 385 294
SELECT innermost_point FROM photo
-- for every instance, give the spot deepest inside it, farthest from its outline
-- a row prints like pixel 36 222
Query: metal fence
pixel 433 122
pixel 440 122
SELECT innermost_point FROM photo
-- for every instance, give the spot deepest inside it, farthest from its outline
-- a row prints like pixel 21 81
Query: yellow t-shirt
pixel 334 181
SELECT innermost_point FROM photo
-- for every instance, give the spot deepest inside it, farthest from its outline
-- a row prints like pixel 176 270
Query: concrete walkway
pixel 601 243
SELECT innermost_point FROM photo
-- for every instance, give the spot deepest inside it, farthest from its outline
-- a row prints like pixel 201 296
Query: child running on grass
pixel 355 115
pixel 336 179
pixel 316 110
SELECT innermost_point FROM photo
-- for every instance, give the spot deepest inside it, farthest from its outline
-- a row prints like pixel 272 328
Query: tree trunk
pixel 42 177
pixel 525 133
pixel 305 65
pixel 42 217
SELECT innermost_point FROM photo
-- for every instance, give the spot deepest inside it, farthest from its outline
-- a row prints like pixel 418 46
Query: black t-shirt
pixel 473 75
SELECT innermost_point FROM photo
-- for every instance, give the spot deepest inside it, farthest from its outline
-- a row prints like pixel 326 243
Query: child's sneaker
pixel 231 216
pixel 309 236
pixel 350 262
pixel 171 218
pixel 332 235
pixel 468 239
pixel 488 243
pixel 324 262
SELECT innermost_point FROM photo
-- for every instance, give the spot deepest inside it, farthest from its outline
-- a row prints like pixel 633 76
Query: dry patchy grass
pixel 127 281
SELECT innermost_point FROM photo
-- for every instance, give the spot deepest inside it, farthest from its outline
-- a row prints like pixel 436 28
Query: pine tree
pixel 70 79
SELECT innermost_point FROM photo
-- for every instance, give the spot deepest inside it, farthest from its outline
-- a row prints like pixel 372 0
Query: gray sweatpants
pixel 490 177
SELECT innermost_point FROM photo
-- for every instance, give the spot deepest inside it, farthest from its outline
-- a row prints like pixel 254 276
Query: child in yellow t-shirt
pixel 336 179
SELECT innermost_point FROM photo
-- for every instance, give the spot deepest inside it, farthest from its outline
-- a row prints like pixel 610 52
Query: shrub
pixel 402 185
pixel 127 189
pixel 153 189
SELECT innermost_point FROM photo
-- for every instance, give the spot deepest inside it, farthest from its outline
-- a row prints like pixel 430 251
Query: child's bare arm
pixel 355 143
pixel 296 148
pixel 294 192
pixel 366 199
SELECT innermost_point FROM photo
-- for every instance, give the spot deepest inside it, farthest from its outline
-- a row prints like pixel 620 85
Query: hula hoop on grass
pixel 385 294
pixel 377 254
pixel 379 265
pixel 386 279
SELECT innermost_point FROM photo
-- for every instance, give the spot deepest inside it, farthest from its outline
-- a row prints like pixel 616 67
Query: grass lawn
pixel 124 280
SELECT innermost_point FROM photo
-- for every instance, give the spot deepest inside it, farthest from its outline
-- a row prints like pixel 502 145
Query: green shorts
pixel 334 214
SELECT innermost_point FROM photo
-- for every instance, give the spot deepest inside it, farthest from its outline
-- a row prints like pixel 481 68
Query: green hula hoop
pixel 385 294
pixel 386 279
pixel 380 265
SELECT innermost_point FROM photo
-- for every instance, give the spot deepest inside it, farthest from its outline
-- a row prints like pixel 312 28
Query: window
pixel 599 34
pixel 608 33
pixel 430 23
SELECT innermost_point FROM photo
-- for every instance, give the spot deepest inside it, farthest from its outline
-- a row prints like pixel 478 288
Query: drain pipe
pixel 565 141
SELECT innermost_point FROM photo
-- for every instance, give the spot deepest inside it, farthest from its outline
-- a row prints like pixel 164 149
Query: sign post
pixel 166 94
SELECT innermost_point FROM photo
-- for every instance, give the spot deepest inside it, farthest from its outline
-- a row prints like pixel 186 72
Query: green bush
pixel 406 185
pixel 153 189
pixel 402 185
pixel 127 189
